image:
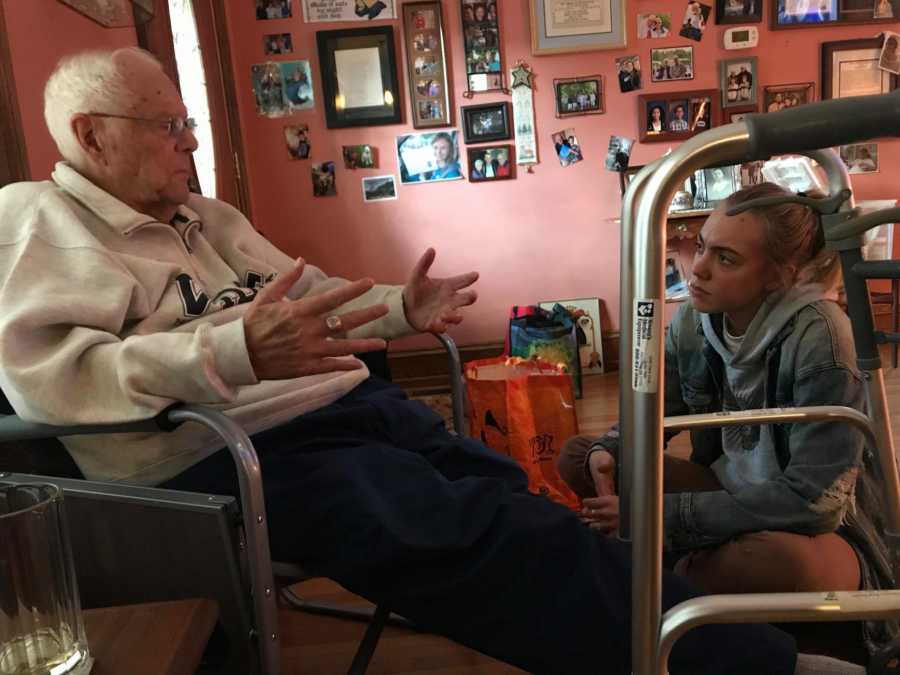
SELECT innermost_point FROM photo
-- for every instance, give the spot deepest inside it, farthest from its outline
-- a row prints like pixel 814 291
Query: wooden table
pixel 160 638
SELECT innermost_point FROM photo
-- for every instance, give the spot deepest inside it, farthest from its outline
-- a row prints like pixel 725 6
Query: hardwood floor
pixel 314 645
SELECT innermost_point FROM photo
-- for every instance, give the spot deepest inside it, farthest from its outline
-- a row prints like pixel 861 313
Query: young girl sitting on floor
pixel 757 508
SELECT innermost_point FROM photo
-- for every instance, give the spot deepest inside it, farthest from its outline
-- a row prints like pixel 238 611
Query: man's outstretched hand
pixel 289 338
pixel 433 304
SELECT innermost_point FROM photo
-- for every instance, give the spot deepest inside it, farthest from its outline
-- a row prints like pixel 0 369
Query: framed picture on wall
pixel 481 41
pixel 559 26
pixel 780 96
pixel 672 63
pixel 488 122
pixel 429 95
pixel 850 68
pixel 490 163
pixel 738 11
pixel 809 14
pixel 738 81
pixel 678 115
pixel 579 95
pixel 359 77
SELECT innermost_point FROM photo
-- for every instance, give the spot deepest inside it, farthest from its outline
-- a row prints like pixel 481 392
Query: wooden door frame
pixel 13 157
pixel 212 31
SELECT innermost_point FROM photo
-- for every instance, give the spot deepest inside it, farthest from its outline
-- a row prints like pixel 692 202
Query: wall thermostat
pixel 741 37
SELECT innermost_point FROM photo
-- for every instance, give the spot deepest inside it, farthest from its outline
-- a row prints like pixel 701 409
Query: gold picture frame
pixel 426 64
pixel 552 33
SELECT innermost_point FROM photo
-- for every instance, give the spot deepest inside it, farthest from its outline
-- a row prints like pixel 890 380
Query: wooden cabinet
pixel 684 225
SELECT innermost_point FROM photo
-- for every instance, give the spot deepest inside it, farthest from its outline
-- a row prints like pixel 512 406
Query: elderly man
pixel 121 293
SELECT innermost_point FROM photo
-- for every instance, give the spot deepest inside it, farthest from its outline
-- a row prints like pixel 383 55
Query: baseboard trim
pixel 424 371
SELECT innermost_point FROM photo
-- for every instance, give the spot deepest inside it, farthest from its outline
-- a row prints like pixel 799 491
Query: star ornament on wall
pixel 521 76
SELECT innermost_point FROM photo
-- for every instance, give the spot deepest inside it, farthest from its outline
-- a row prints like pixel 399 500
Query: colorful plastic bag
pixel 549 335
pixel 524 409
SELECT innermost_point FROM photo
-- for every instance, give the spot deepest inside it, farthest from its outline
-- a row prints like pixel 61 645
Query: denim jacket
pixel 827 478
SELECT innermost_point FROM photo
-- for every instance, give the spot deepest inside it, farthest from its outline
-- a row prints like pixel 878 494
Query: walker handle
pixel 824 124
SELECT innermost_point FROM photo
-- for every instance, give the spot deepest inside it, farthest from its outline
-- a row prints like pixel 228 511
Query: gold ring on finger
pixel 334 322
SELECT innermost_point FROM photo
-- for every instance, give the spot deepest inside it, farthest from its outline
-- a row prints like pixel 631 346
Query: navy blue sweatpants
pixel 374 493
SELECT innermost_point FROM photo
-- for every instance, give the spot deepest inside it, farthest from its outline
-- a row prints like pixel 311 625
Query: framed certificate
pixel 850 68
pixel 359 77
pixel 559 26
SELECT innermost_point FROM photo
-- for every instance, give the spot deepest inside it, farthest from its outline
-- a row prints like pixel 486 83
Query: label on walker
pixel 644 354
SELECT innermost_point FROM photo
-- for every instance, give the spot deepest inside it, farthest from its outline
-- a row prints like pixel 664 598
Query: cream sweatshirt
pixel 107 315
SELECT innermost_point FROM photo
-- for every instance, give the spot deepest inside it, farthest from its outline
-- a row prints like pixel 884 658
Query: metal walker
pixel 800 130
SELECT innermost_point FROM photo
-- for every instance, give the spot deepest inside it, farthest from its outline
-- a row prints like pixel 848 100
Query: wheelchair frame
pixel 265 632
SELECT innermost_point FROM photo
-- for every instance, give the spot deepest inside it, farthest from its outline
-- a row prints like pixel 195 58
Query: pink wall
pixel 545 235
pixel 40 33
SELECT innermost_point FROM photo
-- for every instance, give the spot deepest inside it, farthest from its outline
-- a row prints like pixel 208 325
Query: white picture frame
pixel 590 352
pixel 879 241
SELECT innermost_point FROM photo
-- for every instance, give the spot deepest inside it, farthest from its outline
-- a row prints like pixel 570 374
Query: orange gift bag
pixel 524 409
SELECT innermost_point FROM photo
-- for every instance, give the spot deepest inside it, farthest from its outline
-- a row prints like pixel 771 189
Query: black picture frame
pixel 473 116
pixel 751 11
pixel 839 13
pixel 491 168
pixel 330 43
pixel 482 46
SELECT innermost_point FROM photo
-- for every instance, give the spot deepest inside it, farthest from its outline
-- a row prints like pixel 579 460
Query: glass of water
pixel 41 628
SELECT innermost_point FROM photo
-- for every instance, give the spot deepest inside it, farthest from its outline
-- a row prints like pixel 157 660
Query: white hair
pixel 91 81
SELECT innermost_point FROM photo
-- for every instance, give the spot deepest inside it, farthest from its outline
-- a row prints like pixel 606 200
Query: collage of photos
pixel 282 88
pixel 481 40
pixel 669 117
pixel 489 163
pixel 425 63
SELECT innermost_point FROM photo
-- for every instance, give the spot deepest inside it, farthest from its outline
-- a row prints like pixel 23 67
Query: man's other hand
pixel 433 304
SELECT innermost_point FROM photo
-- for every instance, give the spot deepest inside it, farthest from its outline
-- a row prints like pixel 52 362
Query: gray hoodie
pixel 749 454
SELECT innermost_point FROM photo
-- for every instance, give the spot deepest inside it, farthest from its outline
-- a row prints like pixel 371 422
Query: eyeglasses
pixel 174 126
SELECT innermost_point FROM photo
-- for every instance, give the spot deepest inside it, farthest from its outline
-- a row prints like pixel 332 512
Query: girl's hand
pixel 601 513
